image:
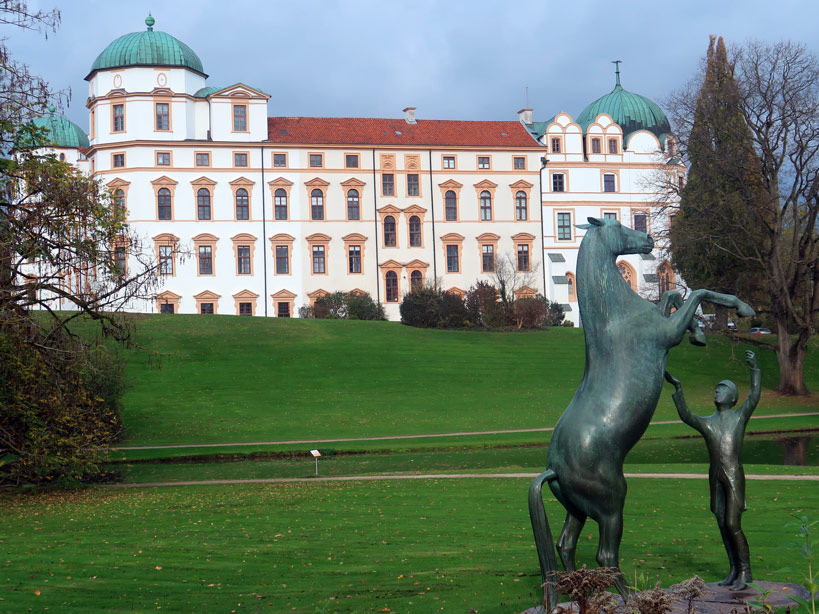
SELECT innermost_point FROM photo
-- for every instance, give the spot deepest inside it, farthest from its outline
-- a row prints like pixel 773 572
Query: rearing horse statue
pixel 627 343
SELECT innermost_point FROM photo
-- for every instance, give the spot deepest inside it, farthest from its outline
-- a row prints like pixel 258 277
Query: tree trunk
pixel 791 358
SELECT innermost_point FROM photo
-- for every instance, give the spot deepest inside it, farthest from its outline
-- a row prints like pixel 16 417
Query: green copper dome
pixel 62 132
pixel 147 48
pixel 631 111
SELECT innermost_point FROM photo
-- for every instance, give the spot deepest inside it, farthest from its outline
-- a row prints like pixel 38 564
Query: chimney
pixel 409 115
pixel 525 116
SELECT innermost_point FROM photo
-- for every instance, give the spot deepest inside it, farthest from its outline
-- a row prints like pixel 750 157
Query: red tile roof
pixel 375 131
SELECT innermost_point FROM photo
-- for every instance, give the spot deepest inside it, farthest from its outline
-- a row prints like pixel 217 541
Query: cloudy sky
pixel 452 60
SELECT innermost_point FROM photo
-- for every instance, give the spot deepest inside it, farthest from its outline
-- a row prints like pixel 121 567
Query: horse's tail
pixel 543 537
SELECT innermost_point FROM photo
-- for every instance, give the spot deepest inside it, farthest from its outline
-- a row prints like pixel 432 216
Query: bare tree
pixel 511 275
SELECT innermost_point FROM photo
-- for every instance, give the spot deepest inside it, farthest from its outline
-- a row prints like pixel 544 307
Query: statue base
pixel 716 599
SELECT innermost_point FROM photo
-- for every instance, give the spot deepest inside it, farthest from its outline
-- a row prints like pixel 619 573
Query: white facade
pixel 255 214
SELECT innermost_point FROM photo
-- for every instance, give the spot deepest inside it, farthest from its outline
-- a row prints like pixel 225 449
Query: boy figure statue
pixel 723 432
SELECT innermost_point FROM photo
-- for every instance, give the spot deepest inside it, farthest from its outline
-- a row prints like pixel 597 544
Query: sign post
pixel 316 455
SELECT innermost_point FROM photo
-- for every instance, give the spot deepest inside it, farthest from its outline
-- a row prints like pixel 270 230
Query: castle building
pixel 273 212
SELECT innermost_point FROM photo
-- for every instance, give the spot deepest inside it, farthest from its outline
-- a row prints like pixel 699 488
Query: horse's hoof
pixel 744 310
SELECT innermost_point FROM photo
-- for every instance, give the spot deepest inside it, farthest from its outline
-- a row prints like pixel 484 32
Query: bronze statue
pixel 723 432
pixel 627 343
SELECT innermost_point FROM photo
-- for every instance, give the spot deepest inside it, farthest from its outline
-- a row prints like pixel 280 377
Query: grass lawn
pixel 401 546
pixel 232 379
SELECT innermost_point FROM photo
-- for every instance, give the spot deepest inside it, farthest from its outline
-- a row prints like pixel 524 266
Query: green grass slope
pixel 232 379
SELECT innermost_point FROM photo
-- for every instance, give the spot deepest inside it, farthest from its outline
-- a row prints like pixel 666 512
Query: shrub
pixel 529 312
pixel 306 311
pixel 453 313
pixel 344 306
pixel 421 307
pixel 361 306
pixel 554 312
pixel 483 306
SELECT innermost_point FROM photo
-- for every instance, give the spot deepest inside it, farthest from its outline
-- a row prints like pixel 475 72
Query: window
pixel 392 286
pixel 243 260
pixel 166 308
pixel 608 182
pixel 520 163
pixel 202 159
pixel 449 162
pixel 354 256
pixel 487 258
pixel 239 118
pixel 555 145
pixel 62 157
pixel 245 309
pixel 166 260
pixel 318 259
pixel 558 182
pixel 205 260
pixel 388 184
pixel 415 231
pixel 351 160
pixel 612 146
pixel 680 182
pixel 389 231
pixel 353 205
pixel 570 281
pixel 242 204
pixel 451 206
pixel 280 204
pixel 564 226
pixel 640 222
pixel 316 160
pixel 283 309
pixel 609 215
pixel 163 158
pixel 163 204
pixel 119 160
pixel 120 260
pixel 119 203
pixel 203 204
pixel 416 280
pixel 483 162
pixel 119 118
pixel 523 257
pixel 413 186
pixel 486 206
pixel 317 204
pixel 521 213
pixel 282 260
pixel 206 308
pixel 239 159
pixel 452 265
pixel 279 159
pixel 163 116
pixel 595 143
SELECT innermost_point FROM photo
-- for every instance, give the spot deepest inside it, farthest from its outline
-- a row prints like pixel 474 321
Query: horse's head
pixel 619 239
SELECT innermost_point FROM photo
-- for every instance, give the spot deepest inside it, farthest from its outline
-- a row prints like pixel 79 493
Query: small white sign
pixel 315 453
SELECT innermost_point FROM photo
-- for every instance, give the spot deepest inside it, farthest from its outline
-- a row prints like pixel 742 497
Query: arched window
pixel 62 157
pixel 521 213
pixel 392 286
pixel 665 277
pixel 203 204
pixel 628 274
pixel 119 203
pixel 163 204
pixel 451 206
pixel 317 204
pixel 416 280
pixel 280 204
pixel 389 231
pixel 242 204
pixel 353 205
pixel 415 231
pixel 572 282
pixel 486 206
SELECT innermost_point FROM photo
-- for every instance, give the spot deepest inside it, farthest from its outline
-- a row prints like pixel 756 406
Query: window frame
pixel 245 205
pixel 243 260
pixel 416 234
pixel 484 163
pixel 391 288
pixel 558 176
pixel 453 260
pixel 612 146
pixel 162 120
pixel 204 204
pixel 199 155
pixel 244 240
pixel 523 250
pixel 118 156
pixel 567 227
pixel 161 205
pixel 348 199
pixel 413 185
pixel 596 145
pixel 555 144
pixel 279 258
pixel 210 241
pixel 315 156
pixel 454 207
pixel 275 154
pixel 384 184
pixel 519 208
pixel 317 205
pixel 117 118
pixel 318 256
pixel 166 155
pixel 519 163
pixel 487 252
pixel 200 260
pixel 609 180
pixel 237 157
pixel 284 241
pixel 354 260
pixel 352 156
pixel 446 159
pixel 242 117
pixel 389 231
pixel 645 215
pixel 167 262
pixel 485 206
pixel 278 206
